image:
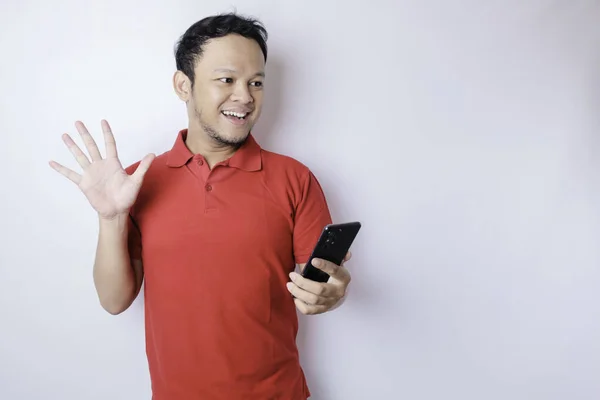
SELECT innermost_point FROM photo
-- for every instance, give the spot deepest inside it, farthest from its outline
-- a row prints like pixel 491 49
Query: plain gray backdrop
pixel 464 136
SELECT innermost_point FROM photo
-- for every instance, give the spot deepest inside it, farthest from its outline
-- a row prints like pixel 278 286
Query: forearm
pixel 114 277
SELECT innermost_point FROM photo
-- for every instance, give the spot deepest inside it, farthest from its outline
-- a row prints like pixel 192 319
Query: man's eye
pixel 257 84
pixel 226 80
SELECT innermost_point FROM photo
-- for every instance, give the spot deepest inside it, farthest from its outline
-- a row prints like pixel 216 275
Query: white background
pixel 464 136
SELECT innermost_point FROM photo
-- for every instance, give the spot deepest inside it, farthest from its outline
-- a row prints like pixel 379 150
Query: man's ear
pixel 182 85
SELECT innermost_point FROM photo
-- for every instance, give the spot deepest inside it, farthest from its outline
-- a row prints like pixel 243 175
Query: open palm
pixel 108 187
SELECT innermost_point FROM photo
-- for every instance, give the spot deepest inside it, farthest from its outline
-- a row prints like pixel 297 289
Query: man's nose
pixel 242 94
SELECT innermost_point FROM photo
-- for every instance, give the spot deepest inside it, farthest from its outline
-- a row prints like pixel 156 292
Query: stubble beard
pixel 216 136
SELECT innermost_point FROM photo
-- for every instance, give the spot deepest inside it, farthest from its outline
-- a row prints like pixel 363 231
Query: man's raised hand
pixel 104 181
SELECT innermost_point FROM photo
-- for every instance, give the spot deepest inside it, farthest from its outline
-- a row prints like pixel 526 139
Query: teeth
pixel 235 114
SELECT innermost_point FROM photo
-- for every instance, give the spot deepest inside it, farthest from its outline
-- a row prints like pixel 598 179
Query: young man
pixel 214 228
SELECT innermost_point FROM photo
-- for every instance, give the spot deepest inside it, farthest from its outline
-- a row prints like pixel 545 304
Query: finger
pixel 71 175
pixel 81 158
pixel 307 297
pixel 143 167
pixel 88 140
pixel 109 140
pixel 347 257
pixel 318 288
pixel 308 309
pixel 325 266
pixel 335 271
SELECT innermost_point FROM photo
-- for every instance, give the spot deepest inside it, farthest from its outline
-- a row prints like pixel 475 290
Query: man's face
pixel 228 89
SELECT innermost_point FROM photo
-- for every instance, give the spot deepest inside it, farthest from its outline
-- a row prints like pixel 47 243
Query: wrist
pixel 118 220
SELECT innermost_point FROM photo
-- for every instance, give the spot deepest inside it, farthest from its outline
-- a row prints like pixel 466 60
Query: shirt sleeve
pixel 312 215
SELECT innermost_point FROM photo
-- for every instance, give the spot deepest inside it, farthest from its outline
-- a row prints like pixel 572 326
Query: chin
pixel 237 139
pixel 232 138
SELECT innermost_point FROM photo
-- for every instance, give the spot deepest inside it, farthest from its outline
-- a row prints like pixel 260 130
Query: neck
pixel 214 152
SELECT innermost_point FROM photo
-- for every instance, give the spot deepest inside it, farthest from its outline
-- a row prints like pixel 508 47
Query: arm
pixel 117 278
pixel 111 191
pixel 312 214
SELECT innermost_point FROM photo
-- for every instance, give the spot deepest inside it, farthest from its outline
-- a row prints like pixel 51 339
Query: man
pixel 214 228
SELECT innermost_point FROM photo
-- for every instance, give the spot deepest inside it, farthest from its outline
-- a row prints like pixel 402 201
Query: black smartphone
pixel 333 245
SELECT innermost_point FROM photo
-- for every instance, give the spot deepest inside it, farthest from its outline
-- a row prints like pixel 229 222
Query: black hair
pixel 190 46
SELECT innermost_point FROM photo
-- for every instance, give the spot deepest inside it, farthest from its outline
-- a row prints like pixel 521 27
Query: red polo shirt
pixel 217 247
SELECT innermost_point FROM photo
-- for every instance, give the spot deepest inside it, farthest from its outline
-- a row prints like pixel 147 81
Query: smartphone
pixel 333 245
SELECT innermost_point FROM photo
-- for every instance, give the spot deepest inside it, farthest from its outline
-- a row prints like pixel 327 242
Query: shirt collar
pixel 247 157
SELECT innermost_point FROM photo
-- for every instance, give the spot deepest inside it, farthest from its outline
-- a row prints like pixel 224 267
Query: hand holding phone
pixel 333 245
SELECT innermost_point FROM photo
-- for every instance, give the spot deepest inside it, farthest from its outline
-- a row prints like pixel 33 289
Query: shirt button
pixel 200 162
pixel 208 188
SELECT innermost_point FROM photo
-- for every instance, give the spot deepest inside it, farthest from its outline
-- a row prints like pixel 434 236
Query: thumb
pixel 143 167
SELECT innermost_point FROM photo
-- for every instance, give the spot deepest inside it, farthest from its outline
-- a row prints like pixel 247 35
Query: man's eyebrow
pixel 232 71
